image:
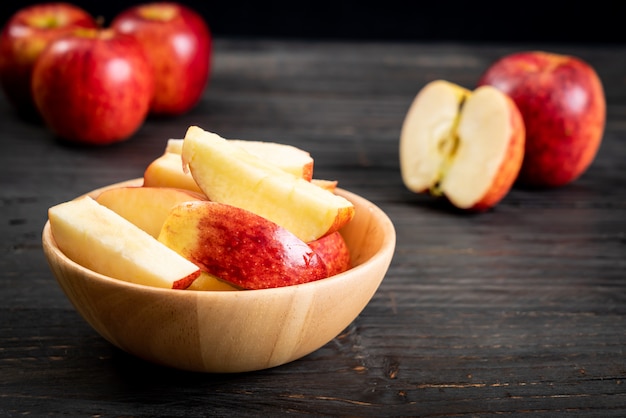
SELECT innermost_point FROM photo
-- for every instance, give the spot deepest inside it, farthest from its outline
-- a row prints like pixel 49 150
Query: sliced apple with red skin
pixel 334 251
pixel 330 185
pixel 286 157
pixel 99 239
pixel 146 207
pixel 228 174
pixel 465 145
pixel 240 247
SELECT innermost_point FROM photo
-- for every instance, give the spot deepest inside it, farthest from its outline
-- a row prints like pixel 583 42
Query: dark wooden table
pixel 519 311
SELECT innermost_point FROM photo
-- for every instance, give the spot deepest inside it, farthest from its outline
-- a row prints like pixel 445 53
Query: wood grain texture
pixel 520 311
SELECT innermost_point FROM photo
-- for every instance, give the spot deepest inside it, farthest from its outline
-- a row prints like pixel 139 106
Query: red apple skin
pixel 24 37
pixel 563 105
pixel 240 247
pixel 178 43
pixel 93 86
pixel 332 248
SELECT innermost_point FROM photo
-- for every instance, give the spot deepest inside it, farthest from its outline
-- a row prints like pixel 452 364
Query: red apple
pixel 23 38
pixel 93 86
pixel 564 110
pixel 178 43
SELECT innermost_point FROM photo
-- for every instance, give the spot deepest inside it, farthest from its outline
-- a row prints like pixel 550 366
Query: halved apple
pixel 287 157
pixel 99 239
pixel 146 207
pixel 239 246
pixel 465 145
pixel 228 174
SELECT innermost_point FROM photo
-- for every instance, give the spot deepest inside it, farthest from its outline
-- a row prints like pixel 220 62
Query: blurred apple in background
pixel 178 43
pixel 93 86
pixel 564 109
pixel 22 40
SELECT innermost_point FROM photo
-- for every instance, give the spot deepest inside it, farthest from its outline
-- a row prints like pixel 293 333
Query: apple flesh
pixel 208 282
pixel 240 247
pixel 146 207
pixel 287 157
pixel 330 185
pixel 22 40
pixel 103 241
pixel 178 43
pixel 167 171
pixel 333 249
pixel 93 86
pixel 463 145
pixel 564 109
pixel 228 174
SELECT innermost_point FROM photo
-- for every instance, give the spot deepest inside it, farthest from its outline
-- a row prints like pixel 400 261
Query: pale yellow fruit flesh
pixel 453 141
pixel 429 134
pixel 484 133
pixel 167 171
pixel 99 239
pixel 286 157
pixel 207 281
pixel 228 174
pixel 146 207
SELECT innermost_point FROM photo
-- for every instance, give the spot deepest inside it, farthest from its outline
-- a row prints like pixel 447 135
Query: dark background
pixel 466 21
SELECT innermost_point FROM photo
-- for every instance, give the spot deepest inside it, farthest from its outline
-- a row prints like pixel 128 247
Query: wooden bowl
pixel 231 331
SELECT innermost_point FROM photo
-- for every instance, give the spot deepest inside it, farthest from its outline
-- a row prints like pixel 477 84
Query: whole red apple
pixel 178 43
pixel 93 86
pixel 564 110
pixel 23 38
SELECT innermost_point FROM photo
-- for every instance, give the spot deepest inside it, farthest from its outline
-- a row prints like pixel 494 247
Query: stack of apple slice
pixel 212 214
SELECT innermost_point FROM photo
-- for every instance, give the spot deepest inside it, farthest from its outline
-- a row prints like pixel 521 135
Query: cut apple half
pixel 228 174
pixel 286 157
pixel 99 239
pixel 464 145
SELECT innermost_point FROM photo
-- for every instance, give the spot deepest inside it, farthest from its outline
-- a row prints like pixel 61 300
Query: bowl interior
pixel 213 331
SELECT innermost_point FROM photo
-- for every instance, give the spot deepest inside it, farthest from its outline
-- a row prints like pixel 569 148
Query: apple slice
pixel 146 207
pixel 208 282
pixel 240 247
pixel 228 174
pixel 99 239
pixel 286 157
pixel 330 185
pixel 332 248
pixel 467 146
pixel 167 171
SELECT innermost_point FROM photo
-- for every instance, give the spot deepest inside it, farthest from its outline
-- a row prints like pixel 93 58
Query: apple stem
pixel 100 21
